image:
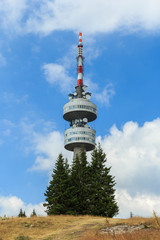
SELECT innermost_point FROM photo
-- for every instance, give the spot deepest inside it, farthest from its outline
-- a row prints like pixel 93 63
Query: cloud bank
pixel 11 205
pixel 140 205
pixel 47 148
pixel 98 16
pixel 44 142
pixel 134 154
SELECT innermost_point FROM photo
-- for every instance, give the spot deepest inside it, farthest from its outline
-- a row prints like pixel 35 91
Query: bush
pixel 22 237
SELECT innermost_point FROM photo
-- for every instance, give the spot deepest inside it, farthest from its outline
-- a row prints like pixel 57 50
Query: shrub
pixel 22 237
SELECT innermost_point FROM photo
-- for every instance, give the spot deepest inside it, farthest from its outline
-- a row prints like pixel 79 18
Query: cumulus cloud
pixel 134 154
pixel 12 13
pixel 11 205
pixel 105 96
pixel 99 16
pixel 45 143
pixel 140 205
pixel 57 75
pixel 47 147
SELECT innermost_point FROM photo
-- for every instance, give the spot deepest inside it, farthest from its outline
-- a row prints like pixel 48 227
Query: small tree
pixel 21 213
pixel 33 214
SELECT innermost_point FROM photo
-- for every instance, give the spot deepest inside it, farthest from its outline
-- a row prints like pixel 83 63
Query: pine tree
pixel 83 189
pixel 21 213
pixel 57 197
pixel 84 183
pixel 24 214
pixel 79 179
pixel 75 190
pixel 102 198
pixel 33 214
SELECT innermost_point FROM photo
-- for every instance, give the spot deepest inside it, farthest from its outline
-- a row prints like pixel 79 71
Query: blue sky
pixel 38 50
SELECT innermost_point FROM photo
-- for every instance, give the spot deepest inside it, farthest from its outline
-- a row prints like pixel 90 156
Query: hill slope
pixel 76 227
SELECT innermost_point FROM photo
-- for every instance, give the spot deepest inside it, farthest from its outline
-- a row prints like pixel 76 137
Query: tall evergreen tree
pixel 80 183
pixel 75 189
pixel 83 189
pixel 57 193
pixel 102 192
pixel 84 182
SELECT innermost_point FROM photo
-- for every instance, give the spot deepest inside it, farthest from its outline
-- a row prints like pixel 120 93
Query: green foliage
pixel 102 192
pixel 80 183
pixel 22 237
pixel 83 189
pixel 33 214
pixel 57 193
pixel 21 213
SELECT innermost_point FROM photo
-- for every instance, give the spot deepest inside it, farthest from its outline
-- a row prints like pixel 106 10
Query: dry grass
pixel 152 231
pixel 138 235
pixel 48 228
pixel 73 228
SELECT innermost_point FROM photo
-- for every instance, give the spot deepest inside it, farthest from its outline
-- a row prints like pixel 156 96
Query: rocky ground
pixel 123 228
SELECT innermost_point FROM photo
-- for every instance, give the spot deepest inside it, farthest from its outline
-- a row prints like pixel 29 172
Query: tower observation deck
pixel 79 111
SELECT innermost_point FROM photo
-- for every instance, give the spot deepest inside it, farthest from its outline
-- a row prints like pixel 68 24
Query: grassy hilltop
pixel 77 228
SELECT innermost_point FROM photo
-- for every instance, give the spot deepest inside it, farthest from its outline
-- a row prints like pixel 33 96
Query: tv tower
pixel 79 111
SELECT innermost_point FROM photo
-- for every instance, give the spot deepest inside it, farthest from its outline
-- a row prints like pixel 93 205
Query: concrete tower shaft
pixel 78 112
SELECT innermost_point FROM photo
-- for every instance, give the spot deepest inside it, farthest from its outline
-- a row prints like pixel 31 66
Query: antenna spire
pixel 80 62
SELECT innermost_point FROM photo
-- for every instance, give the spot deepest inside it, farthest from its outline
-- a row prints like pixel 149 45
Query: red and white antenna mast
pixel 79 111
pixel 80 62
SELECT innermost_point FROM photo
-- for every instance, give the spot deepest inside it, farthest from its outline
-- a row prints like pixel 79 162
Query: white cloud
pixel 139 205
pixel 105 96
pixel 11 205
pixel 12 13
pixel 46 144
pixel 98 16
pixel 134 154
pixel 57 75
pixel 48 147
